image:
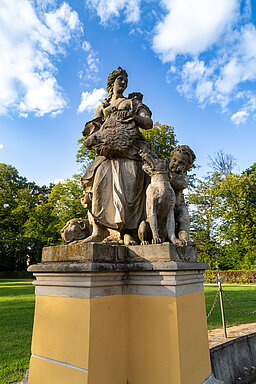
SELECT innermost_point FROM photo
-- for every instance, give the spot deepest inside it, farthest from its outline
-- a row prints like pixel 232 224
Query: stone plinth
pixel 116 315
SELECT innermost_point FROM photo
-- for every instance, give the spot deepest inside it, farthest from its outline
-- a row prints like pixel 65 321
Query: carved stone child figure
pixel 182 159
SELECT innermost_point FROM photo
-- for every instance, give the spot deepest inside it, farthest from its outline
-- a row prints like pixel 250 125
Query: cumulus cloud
pixel 92 63
pixel 30 41
pixel 239 117
pixel 212 50
pixel 90 100
pixel 192 26
pixel 1 146
pixel 109 9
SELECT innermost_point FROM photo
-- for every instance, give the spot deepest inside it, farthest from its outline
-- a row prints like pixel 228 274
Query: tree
pixel 163 139
pixel 238 224
pixel 66 200
pixel 45 222
pixel 223 218
pixel 18 199
pixel 204 205
pixel 223 163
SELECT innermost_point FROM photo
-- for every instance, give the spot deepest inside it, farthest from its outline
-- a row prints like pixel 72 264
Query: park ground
pixel 17 311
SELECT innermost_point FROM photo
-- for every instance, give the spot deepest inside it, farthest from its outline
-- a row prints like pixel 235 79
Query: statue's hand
pixel 130 117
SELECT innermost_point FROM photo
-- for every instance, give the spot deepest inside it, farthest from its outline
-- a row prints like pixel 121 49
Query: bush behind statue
pixel 232 276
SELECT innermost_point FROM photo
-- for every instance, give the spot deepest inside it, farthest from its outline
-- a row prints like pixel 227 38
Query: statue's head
pixel 182 159
pixel 119 72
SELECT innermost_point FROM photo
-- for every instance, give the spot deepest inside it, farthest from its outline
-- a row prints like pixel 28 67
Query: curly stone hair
pixel 187 151
pixel 112 77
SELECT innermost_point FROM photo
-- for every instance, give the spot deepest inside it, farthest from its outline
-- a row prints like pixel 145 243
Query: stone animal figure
pixel 76 229
pixel 160 202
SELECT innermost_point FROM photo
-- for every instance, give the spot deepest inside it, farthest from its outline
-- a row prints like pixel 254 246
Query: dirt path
pixel 216 336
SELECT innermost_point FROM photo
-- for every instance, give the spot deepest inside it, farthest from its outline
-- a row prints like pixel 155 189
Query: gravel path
pixel 216 336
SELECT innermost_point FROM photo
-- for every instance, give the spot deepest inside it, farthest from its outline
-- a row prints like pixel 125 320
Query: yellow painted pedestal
pixel 137 322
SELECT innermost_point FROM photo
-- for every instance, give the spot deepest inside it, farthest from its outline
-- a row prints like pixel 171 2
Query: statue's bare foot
pixel 75 242
pixel 129 240
pixel 145 242
pixel 176 241
pixel 156 240
pixel 92 239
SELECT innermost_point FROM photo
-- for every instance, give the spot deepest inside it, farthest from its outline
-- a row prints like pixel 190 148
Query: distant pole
pixel 219 281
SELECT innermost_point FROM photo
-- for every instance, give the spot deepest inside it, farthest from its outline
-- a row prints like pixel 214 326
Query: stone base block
pixel 118 320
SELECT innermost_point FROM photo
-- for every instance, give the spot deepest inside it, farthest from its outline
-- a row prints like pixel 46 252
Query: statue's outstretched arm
pixel 98 112
pixel 143 119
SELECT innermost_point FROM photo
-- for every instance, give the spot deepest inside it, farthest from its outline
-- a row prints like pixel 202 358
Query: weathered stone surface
pixel 160 202
pixel 99 257
pixel 95 269
pixel 75 229
pixel 235 359
pixel 124 207
pixel 106 253
pixel 85 252
pixel 212 380
pixel 116 180
pixel 182 159
pixel 25 380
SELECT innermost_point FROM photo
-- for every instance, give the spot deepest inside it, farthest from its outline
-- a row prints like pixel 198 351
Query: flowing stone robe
pixel 117 182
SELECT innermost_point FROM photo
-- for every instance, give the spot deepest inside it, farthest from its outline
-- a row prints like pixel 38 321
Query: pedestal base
pixel 118 319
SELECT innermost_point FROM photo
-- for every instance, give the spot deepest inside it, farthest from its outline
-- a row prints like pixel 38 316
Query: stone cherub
pixel 182 159
pixel 160 201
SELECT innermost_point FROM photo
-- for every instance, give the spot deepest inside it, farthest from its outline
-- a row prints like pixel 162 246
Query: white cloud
pixel 29 42
pixel 86 46
pixel 1 146
pixel 92 63
pixel 109 9
pixel 240 117
pixel 90 100
pixel 192 26
pixel 212 47
pixel 25 115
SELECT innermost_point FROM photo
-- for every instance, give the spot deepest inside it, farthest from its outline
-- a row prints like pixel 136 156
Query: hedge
pixel 232 277
pixel 16 275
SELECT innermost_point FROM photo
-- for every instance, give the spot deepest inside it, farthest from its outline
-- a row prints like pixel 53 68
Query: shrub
pixel 232 276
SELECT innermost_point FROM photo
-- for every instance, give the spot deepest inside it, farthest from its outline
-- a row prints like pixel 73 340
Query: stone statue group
pixel 132 197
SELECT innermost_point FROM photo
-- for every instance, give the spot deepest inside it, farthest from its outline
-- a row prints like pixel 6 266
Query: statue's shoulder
pixel 136 100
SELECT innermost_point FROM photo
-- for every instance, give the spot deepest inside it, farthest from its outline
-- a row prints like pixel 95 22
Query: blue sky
pixel 194 61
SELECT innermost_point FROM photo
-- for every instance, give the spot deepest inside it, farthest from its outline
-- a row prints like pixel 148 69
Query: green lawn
pixel 244 297
pixel 16 321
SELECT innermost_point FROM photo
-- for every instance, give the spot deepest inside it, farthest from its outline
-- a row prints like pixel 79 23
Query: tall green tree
pixel 238 217
pixel 204 206
pixel 224 218
pixel 66 200
pixel 18 199
pixel 163 139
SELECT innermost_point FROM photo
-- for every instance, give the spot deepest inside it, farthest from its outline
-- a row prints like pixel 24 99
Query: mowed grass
pixel 16 322
pixel 17 312
pixel 243 297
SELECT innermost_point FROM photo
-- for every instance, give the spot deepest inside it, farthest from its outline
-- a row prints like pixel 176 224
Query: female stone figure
pixel 115 182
